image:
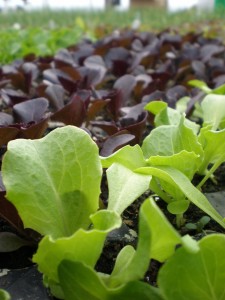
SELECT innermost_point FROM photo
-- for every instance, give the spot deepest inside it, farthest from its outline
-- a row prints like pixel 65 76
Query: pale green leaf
pixel 80 282
pixel 186 162
pixel 128 156
pixel 164 237
pixel 125 186
pixel 213 107
pixel 54 182
pixel 213 143
pixel 180 181
pixel 165 115
pixel 178 207
pixel 168 140
pixel 137 261
pixel 199 275
pixel 85 246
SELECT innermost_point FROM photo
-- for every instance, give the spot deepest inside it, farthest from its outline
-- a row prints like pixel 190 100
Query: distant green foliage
pixel 44 32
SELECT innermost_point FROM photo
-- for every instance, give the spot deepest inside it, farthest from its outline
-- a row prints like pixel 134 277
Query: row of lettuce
pixel 55 184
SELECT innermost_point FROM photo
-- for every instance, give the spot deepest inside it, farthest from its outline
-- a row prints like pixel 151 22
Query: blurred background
pixel 44 26
pixel 171 5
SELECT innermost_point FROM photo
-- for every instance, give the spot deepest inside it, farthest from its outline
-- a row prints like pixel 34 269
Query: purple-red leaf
pixel 30 110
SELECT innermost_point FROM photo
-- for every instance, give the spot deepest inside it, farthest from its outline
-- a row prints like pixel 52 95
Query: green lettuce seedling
pixel 54 183
pixel 197 264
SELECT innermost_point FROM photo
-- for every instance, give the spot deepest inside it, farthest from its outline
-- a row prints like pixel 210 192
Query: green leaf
pixel 165 115
pixel 80 282
pixel 136 290
pixel 85 246
pixel 213 143
pixel 213 107
pixel 201 85
pixel 164 237
pixel 168 140
pixel 178 207
pixel 131 265
pixel 198 275
pixel 125 186
pixel 128 156
pixel 180 181
pixel 186 162
pixel 54 182
pixel 220 90
pixel 4 295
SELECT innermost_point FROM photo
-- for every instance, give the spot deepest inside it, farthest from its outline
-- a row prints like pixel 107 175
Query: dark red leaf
pixel 30 110
pixel 73 113
pixel 116 142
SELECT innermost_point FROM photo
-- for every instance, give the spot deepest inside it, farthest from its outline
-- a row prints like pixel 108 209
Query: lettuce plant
pixel 54 183
pixel 172 154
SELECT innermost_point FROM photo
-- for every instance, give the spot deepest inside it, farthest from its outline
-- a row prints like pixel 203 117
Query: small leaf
pixel 125 187
pixel 10 242
pixel 178 207
pixel 116 141
pixel 201 85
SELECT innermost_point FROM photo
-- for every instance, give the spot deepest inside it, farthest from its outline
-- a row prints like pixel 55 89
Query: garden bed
pixel 121 91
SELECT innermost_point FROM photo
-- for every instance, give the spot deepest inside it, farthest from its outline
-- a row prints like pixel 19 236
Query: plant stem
pixel 211 171
pixel 180 221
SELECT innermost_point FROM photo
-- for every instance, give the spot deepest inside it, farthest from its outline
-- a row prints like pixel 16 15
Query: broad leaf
pixel 213 107
pixel 165 115
pixel 213 143
pixel 30 110
pixel 171 139
pixel 54 182
pixel 83 246
pixel 125 186
pixel 80 282
pixel 197 275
